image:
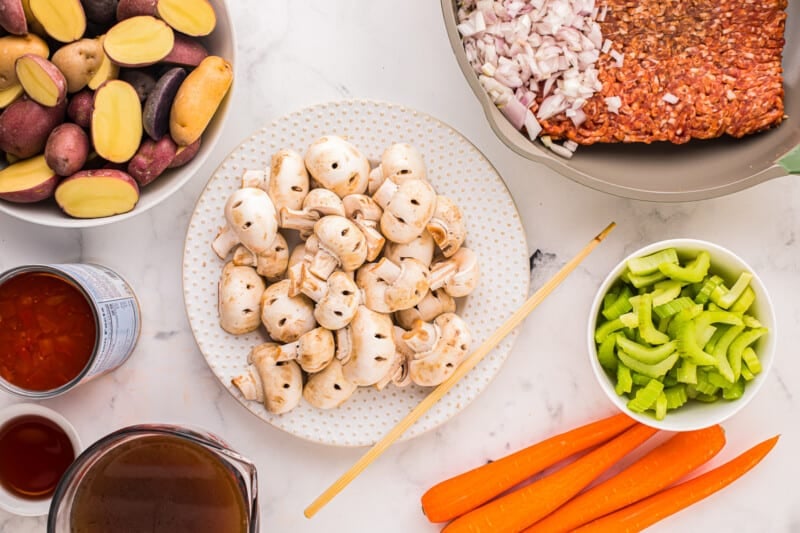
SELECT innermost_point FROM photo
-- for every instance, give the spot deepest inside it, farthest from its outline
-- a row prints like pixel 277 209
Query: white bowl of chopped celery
pixel 681 334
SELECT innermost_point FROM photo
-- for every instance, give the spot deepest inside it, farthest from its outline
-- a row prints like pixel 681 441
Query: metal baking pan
pixel 661 171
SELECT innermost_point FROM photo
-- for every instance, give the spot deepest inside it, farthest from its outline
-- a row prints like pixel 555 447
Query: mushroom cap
pixel 251 215
pixel 404 161
pixel 420 248
pixel 288 180
pixel 407 211
pixel 249 384
pixel 337 165
pixel 324 202
pixel 329 388
pixel 446 226
pixel 315 349
pixel 239 299
pixel 341 238
pixel 286 317
pixel 282 382
pixel 373 349
pixel 430 368
pixel 459 275
pixel 361 207
pixel 338 306
pixel 410 287
pixel 272 263
pixel 433 304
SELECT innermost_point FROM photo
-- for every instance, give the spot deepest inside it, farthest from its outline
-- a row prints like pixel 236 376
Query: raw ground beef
pixel 720 58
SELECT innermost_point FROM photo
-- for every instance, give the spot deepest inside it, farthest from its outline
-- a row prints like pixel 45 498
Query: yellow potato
pixel 12 48
pixel 198 98
pixel 79 62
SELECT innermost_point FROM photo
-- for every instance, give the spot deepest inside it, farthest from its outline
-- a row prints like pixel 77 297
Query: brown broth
pixel 34 454
pixel 159 484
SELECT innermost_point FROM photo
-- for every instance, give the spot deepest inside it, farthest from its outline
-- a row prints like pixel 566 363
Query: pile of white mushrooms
pixel 366 297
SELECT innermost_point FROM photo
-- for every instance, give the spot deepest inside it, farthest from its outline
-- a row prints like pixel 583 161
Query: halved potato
pixel 43 81
pixel 27 181
pixel 116 121
pixel 63 20
pixel 97 193
pixel 190 17
pixel 139 41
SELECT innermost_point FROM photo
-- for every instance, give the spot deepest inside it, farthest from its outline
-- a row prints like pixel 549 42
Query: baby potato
pixel 12 48
pixel 198 98
pixel 79 62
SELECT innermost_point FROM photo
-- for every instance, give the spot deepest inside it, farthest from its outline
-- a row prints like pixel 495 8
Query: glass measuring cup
pixel 169 477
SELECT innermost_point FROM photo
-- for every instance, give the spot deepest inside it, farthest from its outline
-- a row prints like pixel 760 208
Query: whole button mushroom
pixel 366 214
pixel 317 204
pixel 340 245
pixel 328 389
pixel 282 381
pixel 286 317
pixel 312 351
pixel 400 160
pixel 337 298
pixel 407 208
pixel 438 349
pixel 250 220
pixel 458 275
pixel 288 183
pixel 338 166
pixel 432 305
pixel 421 249
pixel 239 299
pixel 446 226
pixel 398 374
pixel 388 287
pixel 370 347
pixel 271 264
pixel 249 383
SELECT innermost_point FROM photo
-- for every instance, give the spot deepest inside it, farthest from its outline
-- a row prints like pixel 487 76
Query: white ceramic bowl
pixel 693 415
pixel 10 502
pixel 221 42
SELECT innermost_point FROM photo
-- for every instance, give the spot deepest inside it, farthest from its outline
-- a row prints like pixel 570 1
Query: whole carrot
pixel 516 511
pixel 668 502
pixel 463 493
pixel 677 457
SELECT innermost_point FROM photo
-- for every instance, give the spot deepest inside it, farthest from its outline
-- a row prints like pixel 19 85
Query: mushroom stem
pixel 254 178
pixel 225 241
pixel 373 236
pixel 387 271
pixel 422 337
pixel 344 344
pixel 385 192
pixel 310 285
pixel 299 219
pixel 249 384
pixel 323 264
pixel 441 272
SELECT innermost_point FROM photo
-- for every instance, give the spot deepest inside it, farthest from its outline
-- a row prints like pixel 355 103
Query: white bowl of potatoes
pixel 96 128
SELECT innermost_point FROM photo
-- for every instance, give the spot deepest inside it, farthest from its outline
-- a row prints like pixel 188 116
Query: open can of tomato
pixel 62 325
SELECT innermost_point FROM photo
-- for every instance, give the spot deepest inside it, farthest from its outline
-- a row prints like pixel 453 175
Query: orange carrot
pixel 666 464
pixel 515 511
pixel 460 494
pixel 668 502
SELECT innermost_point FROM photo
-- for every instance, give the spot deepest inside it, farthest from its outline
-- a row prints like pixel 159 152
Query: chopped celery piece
pixel 704 386
pixel 703 335
pixel 727 299
pixel 751 361
pixel 683 316
pixel 747 375
pixel 709 284
pixel 605 352
pixel 641 266
pixel 693 272
pixel 706 398
pixel 676 396
pixel 607 328
pixel 751 322
pixel 661 406
pixel 654 371
pixel 646 397
pixel 687 346
pixel 608 301
pixel 666 291
pixel 640 380
pixel 718 292
pixel 673 307
pixel 720 352
pixel 734 392
pixel 712 342
pixel 646 327
pixel 644 281
pixel 620 305
pixel 716 379
pixel 670 379
pixel 646 354
pixel 629 320
pixel 691 391
pixel 687 372
pixel 745 301
pixel 736 349
pixel 624 380
pixel 718 317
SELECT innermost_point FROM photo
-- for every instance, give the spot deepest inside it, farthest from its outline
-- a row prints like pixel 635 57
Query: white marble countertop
pixel 294 54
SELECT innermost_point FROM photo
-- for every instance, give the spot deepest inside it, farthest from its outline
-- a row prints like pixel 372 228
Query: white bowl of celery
pixel 681 334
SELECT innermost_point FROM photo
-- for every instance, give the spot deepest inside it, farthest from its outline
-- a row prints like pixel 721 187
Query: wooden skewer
pixel 468 364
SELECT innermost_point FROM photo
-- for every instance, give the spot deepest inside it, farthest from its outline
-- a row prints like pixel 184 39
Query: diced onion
pixel 670 98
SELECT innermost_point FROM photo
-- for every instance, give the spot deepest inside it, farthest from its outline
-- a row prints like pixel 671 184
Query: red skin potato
pixel 87 176
pixel 26 125
pixel 52 72
pixel 185 154
pixel 132 8
pixel 80 107
pixel 12 17
pixel 186 51
pixel 152 159
pixel 67 149
pixel 41 191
